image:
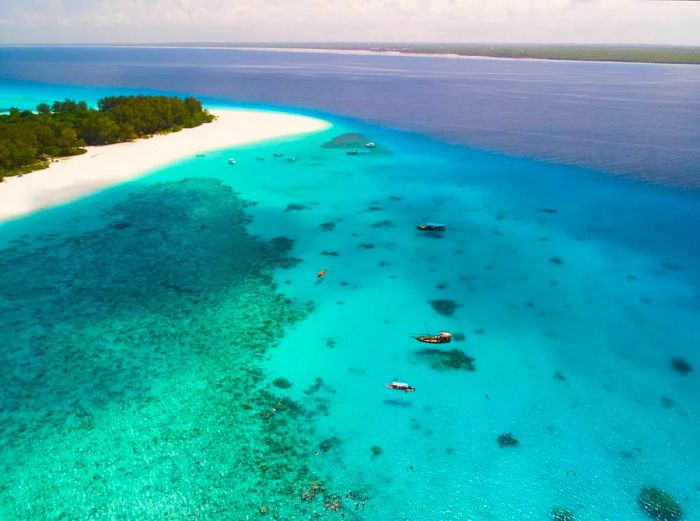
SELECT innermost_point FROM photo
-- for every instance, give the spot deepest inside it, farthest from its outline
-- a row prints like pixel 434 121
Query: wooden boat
pixel 443 337
pixel 352 152
pixel 400 386
pixel 431 227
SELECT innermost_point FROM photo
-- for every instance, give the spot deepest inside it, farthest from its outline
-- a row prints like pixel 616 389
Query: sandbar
pixel 101 166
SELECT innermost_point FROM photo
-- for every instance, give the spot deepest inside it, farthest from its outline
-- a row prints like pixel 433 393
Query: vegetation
pixel 28 140
pixel 622 53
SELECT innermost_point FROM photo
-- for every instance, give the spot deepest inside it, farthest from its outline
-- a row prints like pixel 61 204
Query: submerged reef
pixel 348 140
pixel 149 353
pixel 681 366
pixel 281 383
pixel 383 224
pixel 562 514
pixel 442 360
pixel 444 307
pixel 659 504
pixel 296 207
pixel 506 440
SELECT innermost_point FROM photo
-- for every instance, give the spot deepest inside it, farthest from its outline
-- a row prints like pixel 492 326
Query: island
pixel 30 140
pixel 101 166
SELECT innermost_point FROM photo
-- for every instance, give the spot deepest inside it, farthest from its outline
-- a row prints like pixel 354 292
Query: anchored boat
pixel 431 227
pixel 444 337
pixel 400 386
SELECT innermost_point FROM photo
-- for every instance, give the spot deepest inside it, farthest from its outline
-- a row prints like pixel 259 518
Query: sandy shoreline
pixel 100 167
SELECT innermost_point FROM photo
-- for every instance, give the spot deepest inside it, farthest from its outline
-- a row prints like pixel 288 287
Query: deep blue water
pixel 641 120
pixel 164 352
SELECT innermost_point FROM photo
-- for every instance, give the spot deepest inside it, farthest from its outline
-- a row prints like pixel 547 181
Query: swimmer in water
pixel 321 274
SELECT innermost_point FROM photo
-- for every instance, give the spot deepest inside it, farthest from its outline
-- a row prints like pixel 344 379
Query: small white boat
pixel 231 161
pixel 371 144
pixel 400 386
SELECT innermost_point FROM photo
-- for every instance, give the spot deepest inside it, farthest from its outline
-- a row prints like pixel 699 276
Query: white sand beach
pixel 102 166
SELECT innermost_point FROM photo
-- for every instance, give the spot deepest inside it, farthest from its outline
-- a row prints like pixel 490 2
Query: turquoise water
pixel 168 349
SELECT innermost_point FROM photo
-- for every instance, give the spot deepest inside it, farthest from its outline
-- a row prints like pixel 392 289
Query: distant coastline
pixel 594 53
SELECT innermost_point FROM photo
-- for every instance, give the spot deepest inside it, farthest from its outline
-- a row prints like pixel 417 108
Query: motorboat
pixel 431 227
pixel 400 386
pixel 444 337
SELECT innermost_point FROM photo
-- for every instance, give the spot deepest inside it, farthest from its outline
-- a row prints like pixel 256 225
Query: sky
pixel 469 21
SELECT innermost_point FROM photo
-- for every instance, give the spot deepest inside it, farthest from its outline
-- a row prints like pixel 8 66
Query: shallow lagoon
pixel 164 353
pixel 145 327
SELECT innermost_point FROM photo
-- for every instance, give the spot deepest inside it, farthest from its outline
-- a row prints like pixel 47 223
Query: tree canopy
pixel 28 139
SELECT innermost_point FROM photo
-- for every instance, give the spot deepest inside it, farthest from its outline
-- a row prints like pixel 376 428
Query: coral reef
pixel 681 366
pixel 506 440
pixel 281 383
pixel 659 504
pixel 348 140
pixel 444 307
pixel 443 360
pixel 562 514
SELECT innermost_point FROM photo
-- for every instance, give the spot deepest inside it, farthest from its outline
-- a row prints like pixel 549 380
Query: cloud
pixel 575 21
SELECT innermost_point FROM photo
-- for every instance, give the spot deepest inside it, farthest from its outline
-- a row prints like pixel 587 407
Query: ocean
pixel 168 350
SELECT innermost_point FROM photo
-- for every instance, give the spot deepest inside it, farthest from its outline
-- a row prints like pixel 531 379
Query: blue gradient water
pixel 639 120
pixel 574 290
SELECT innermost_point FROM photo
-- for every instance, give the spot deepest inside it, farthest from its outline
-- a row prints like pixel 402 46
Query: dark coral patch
pixel 282 383
pixel 348 140
pixel 121 225
pixel 441 360
pixel 562 514
pixel 383 224
pixel 376 450
pixel 659 504
pixel 556 260
pixel 558 375
pixel 672 267
pixel 366 246
pixel 506 440
pixel 681 366
pixel 327 227
pixel 330 253
pixel 667 403
pixel 329 443
pixel 458 337
pixel 444 307
pixel 294 207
